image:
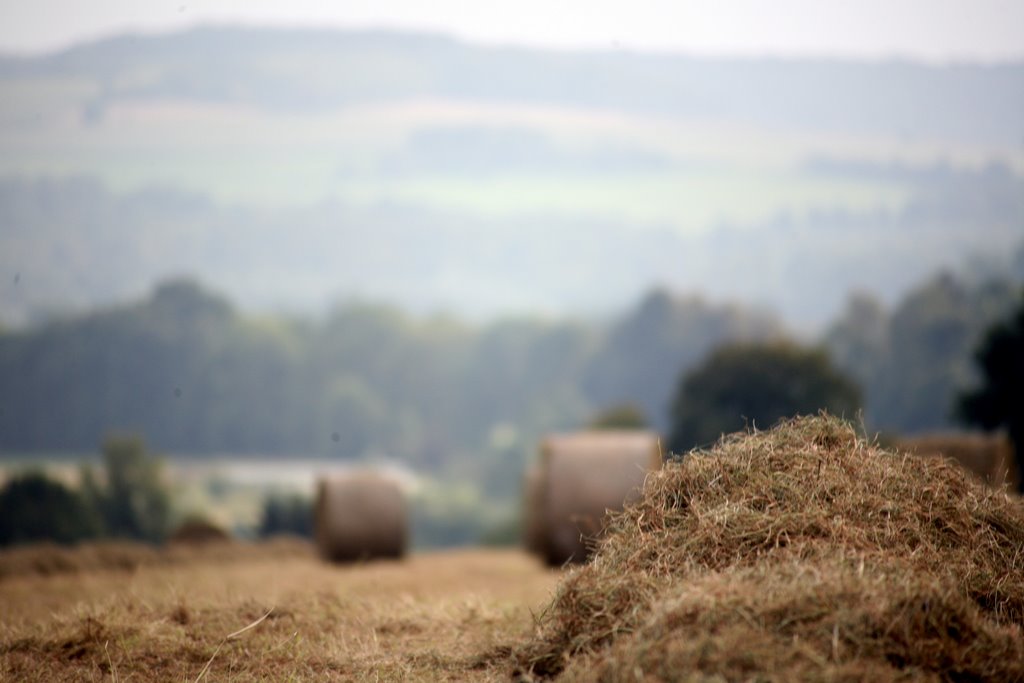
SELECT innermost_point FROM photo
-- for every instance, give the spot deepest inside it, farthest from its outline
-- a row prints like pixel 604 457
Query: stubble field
pixel 803 553
pixel 275 615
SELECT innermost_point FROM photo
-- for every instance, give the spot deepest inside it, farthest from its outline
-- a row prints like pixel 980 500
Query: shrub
pixel 756 384
pixel 35 508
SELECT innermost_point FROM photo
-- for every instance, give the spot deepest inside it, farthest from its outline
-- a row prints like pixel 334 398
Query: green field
pixel 714 172
pixel 690 202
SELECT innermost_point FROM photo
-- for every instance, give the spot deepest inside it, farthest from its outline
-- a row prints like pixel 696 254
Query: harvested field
pixel 49 559
pixel 432 617
pixel 802 553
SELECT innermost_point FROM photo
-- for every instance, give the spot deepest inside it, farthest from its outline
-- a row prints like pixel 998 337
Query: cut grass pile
pixel 801 553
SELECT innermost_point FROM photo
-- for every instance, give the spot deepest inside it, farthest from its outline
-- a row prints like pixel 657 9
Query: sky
pixel 936 31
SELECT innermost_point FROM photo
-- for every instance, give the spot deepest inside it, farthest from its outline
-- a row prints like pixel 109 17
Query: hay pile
pixel 802 553
pixel 197 530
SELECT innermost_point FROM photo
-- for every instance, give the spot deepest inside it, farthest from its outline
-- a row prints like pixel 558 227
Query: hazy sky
pixel 933 30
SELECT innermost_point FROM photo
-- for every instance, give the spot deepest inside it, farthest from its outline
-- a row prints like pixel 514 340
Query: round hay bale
pixel 533 514
pixel 584 475
pixel 360 516
pixel 988 456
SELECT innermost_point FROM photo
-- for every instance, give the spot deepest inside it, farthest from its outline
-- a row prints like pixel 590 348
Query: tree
pixel 642 352
pixel 622 416
pixel 756 384
pixel 996 403
pixel 134 501
pixel 35 508
pixel 857 342
pixel 287 515
pixel 912 362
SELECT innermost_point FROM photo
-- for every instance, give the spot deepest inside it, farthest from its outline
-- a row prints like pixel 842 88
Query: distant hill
pixel 70 243
pixel 302 69
pixel 291 169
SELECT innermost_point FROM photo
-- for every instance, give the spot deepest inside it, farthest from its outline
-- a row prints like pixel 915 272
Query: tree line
pixel 126 498
pixel 192 375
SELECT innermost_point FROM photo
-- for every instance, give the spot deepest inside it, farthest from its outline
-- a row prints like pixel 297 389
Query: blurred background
pixel 244 244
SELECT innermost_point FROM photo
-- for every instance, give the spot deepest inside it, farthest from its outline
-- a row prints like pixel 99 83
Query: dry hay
pixel 427 619
pixel 989 456
pixel 583 476
pixel 360 515
pixel 801 553
pixel 198 531
pixel 45 559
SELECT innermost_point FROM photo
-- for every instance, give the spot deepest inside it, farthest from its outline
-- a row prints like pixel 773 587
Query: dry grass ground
pixel 799 554
pixel 433 617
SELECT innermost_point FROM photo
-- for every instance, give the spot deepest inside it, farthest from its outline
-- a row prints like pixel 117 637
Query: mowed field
pixel 276 615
